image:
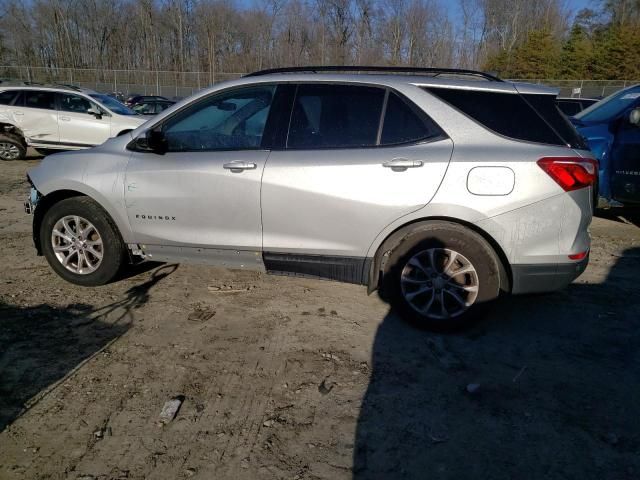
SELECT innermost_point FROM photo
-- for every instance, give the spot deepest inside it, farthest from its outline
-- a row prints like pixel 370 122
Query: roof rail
pixel 70 86
pixel 434 72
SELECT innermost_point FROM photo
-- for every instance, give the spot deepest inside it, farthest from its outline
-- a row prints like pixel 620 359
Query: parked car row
pixel 59 118
pixel 66 117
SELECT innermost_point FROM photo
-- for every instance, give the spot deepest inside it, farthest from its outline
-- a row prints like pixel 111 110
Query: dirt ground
pixel 302 379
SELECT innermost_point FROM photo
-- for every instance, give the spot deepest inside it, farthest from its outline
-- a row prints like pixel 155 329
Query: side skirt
pixel 219 257
pixel 342 269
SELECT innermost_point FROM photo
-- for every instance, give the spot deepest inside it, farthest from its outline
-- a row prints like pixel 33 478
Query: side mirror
pixel 152 141
pixel 634 117
pixel 95 112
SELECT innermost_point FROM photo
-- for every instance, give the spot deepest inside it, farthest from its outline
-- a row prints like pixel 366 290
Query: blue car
pixel 611 127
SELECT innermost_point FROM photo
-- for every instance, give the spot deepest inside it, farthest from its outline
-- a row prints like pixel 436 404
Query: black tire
pixel 440 235
pixel 12 147
pixel 113 248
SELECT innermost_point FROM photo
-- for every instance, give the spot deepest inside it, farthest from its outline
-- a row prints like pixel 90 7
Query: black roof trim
pixel 434 72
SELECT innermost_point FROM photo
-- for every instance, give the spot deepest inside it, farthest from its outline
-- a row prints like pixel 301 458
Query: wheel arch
pixel 10 128
pixel 45 202
pixel 393 239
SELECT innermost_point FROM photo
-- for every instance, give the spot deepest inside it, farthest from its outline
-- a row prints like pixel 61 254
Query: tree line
pixel 515 38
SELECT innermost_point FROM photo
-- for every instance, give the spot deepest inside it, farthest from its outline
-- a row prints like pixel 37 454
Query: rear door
pixel 77 126
pixel 35 113
pixel 356 159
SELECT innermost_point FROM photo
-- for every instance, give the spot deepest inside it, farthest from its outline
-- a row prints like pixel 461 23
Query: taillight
pixel 579 256
pixel 571 173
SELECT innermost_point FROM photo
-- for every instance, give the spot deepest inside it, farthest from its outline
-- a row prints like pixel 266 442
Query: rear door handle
pixel 238 166
pixel 402 164
pixel 18 113
pixel 65 119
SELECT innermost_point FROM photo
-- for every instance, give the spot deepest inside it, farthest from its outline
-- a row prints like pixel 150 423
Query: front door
pixel 79 127
pixel 204 192
pixel 357 158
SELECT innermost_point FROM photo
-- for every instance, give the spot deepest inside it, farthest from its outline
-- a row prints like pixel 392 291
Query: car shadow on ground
pixel 41 345
pixel 545 387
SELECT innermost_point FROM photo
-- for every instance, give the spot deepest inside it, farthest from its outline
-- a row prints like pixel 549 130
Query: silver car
pixel 441 188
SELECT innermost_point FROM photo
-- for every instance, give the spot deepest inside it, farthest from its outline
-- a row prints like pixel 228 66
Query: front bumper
pixel 31 202
pixel 546 277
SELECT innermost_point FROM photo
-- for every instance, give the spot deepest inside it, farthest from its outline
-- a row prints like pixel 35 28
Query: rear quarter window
pixel 532 118
pixel 7 97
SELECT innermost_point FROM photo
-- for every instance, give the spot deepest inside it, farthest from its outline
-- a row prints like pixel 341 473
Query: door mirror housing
pixel 152 141
pixel 634 117
pixel 95 111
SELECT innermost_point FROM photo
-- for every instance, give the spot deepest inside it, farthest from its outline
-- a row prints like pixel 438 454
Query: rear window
pixel 40 99
pixel 569 108
pixel 514 116
pixel 7 97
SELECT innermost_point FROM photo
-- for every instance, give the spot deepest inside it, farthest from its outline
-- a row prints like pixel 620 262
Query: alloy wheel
pixel 8 151
pixel 439 283
pixel 77 244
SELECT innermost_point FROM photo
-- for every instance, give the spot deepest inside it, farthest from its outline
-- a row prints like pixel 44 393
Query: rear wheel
pixel 11 147
pixel 81 243
pixel 441 275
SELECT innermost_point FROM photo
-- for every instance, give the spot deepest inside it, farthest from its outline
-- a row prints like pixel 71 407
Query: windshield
pixel 112 104
pixel 610 107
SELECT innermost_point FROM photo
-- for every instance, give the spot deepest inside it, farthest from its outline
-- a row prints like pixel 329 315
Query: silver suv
pixel 442 188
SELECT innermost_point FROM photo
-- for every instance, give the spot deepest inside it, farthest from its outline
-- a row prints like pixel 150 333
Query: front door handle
pixel 238 166
pixel 401 164
pixel 18 113
pixel 65 119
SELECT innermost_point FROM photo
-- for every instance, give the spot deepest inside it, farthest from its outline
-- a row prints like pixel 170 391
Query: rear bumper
pixel 545 277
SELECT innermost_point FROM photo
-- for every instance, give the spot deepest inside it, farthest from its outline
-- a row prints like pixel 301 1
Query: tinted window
pixel 546 106
pixel 569 108
pixel 403 123
pixel 74 103
pixel 507 114
pixel 40 99
pixel 7 97
pixel 335 116
pixel 233 120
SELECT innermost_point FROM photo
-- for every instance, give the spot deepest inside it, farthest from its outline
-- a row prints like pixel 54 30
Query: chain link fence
pixel 584 88
pixel 172 84
pixel 125 82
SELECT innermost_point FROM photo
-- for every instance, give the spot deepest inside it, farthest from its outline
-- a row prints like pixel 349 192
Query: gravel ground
pixel 302 379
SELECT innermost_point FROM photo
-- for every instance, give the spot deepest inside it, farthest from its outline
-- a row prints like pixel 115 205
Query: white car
pixel 59 118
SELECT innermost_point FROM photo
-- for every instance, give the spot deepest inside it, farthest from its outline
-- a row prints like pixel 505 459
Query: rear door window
pixel 405 123
pixel 335 116
pixel 513 115
pixel 40 99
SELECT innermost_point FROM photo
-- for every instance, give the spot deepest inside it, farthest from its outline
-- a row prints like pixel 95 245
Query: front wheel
pixel 441 276
pixel 81 243
pixel 11 147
